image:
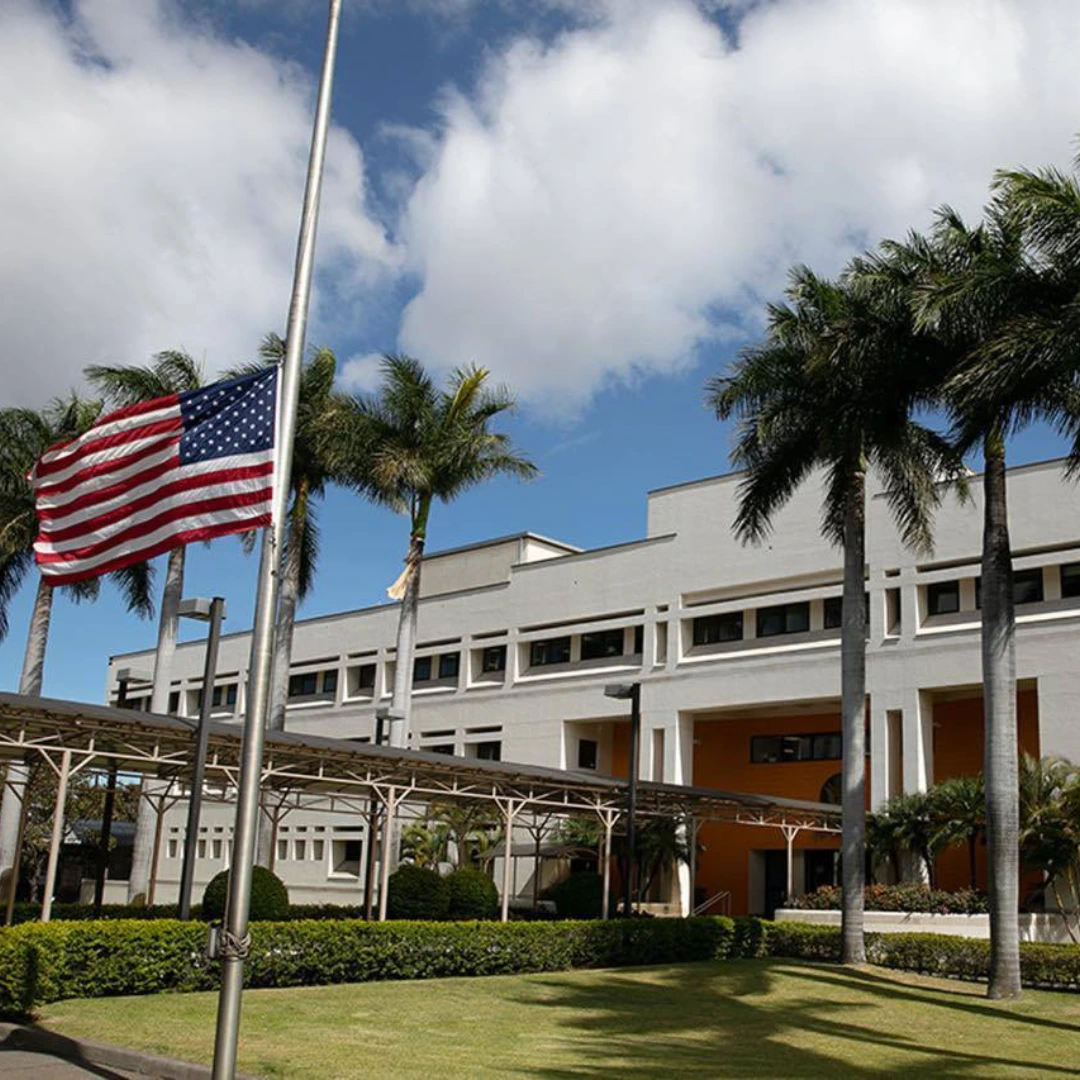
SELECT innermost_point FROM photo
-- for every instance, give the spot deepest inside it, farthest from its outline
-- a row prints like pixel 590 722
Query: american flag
pixel 153 476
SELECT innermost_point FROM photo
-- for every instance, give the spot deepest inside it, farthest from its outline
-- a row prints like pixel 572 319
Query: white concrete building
pixel 737 652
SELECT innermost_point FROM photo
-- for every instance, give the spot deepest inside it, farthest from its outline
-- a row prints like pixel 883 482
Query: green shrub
pixel 472 894
pixel 40 963
pixel 269 897
pixel 908 896
pixel 414 892
pixel 580 896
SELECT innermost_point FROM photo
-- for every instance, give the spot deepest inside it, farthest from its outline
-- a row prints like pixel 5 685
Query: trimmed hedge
pixel 472 894
pixel 579 896
pixel 30 912
pixel 414 892
pixel 903 897
pixel 1055 967
pixel 269 897
pixel 40 963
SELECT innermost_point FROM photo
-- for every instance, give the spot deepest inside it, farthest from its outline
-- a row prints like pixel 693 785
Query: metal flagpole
pixel 233 939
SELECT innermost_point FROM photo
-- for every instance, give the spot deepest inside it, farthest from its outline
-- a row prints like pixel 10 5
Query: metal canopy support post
pixel 198 775
pixel 103 841
pixel 692 827
pixel 57 833
pixel 510 808
pixel 790 832
pixel 234 934
pixel 13 884
pixel 631 800
pixel 608 817
pixel 390 801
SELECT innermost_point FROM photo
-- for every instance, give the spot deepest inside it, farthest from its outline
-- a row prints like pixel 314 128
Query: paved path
pixel 24 1065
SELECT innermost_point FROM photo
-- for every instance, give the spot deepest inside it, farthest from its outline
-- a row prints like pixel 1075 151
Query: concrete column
pixel 142 854
pixel 886 751
pixel 1058 731
pixel 918 735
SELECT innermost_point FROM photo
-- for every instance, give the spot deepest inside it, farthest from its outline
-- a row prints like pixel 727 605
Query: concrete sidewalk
pixel 27 1065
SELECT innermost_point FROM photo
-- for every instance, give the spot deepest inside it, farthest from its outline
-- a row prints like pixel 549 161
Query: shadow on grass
pixel 707 1020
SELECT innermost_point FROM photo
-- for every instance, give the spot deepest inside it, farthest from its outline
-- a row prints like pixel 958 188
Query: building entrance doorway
pixel 820 869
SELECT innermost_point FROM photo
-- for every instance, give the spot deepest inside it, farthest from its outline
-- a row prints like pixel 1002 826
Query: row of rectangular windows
pixel 772 621
pixel 943 597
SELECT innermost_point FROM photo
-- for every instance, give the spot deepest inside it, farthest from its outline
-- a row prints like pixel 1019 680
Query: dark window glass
pixel 303 685
pixel 586 753
pixel 772 749
pixel 366 677
pixel 489 751
pixel 943 598
pixel 493 658
pixel 832 791
pixel 174 702
pixel 552 651
pixel 222 696
pixel 449 664
pixel 442 748
pixel 421 669
pixel 711 629
pixel 783 619
pixel 639 639
pixel 834 612
pixel 603 643
pixel 1070 579
pixel 329 682
pixel 1028 586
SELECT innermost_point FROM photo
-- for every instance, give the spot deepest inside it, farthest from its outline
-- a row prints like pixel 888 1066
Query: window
pixel 1027 587
pixel 174 702
pixel 223 696
pixel 602 644
pixel 200 849
pixel 172 849
pixel 488 751
pixel 449 664
pixel 834 612
pixel 440 748
pixel 639 639
pixel 305 685
pixel 943 598
pixel 421 669
pixel 783 619
pixel 282 850
pixel 329 682
pixel 301 850
pixel 1070 579
pixel 493 659
pixel 215 847
pixel 346 856
pixel 773 749
pixel 551 651
pixel 713 629
pixel 365 677
pixel 586 753
pixel 832 791
pixel 318 850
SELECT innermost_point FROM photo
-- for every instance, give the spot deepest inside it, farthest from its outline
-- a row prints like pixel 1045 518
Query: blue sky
pixel 594 199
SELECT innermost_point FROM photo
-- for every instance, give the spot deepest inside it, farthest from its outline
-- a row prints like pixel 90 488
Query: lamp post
pixel 213 612
pixel 124 677
pixel 630 692
pixel 384 716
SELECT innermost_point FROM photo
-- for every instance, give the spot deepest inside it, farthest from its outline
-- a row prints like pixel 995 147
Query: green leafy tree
pixel 959 804
pixel 833 387
pixel 409 446
pixel 425 844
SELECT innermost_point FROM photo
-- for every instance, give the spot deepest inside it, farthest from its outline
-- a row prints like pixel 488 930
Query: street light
pixel 124 676
pixel 630 692
pixel 213 612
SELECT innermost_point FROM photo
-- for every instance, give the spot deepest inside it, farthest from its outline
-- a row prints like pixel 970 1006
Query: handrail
pixel 723 897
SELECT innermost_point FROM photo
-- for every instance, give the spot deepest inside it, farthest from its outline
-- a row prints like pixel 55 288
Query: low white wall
pixel 115 892
pixel 1048 928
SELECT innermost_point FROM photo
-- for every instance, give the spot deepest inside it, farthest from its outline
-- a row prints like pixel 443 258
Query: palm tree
pixel 24 436
pixel 973 284
pixel 832 387
pixel 408 446
pixel 318 403
pixel 172 372
pixel 959 804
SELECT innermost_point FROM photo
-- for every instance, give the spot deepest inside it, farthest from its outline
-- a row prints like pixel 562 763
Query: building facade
pixel 736 648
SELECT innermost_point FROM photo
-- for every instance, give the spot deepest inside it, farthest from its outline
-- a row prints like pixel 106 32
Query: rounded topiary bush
pixel 417 893
pixel 472 894
pixel 580 896
pixel 269 897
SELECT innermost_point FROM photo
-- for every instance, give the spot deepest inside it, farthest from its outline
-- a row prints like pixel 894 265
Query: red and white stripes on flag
pixel 153 476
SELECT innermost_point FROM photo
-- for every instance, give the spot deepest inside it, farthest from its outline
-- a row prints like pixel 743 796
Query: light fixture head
pixel 620 691
pixel 198 607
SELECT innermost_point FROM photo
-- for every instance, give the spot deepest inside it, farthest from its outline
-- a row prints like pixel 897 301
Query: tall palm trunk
pixel 853 721
pixel 1000 766
pixel 288 598
pixel 146 819
pixel 30 683
pixel 401 701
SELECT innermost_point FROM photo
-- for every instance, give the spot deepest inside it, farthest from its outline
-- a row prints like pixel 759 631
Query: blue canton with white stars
pixel 228 418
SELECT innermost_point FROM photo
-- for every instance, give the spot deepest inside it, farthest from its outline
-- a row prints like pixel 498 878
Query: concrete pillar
pixel 918 735
pixel 146 828
pixel 1058 731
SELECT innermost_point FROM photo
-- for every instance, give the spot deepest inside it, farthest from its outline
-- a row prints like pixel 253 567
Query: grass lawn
pixel 741 1018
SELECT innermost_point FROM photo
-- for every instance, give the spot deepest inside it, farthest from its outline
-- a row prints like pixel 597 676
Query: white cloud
pixel 601 206
pixel 151 190
pixel 361 372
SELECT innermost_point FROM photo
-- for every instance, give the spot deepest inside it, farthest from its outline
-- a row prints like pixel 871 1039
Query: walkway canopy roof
pixel 304 766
